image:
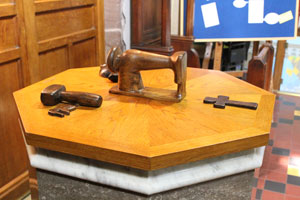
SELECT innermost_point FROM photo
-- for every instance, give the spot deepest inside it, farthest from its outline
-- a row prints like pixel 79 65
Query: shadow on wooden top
pixel 144 133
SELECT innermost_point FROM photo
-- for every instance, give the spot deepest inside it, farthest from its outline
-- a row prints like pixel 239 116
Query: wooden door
pixel 13 76
pixel 63 34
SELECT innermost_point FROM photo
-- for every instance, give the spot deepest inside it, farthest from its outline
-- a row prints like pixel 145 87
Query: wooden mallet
pixel 55 94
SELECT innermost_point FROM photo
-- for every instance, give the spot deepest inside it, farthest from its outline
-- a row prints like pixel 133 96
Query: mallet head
pixel 50 96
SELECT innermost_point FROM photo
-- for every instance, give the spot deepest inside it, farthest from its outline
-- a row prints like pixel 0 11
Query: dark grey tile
pixel 254 182
pixel 296 117
pixel 280 151
pixel 286 121
pixel 297 108
pixel 275 186
pixel 295 180
pixel 274 124
pixel 288 103
pixel 279 98
pixel 271 142
pixel 258 194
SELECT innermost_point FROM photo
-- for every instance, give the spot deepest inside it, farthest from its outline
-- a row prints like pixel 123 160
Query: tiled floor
pixel 279 176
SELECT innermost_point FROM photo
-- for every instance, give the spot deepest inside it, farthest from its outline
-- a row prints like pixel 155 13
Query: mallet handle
pixel 82 98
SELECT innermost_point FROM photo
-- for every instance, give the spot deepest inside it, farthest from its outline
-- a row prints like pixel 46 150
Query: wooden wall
pixel 13 76
pixel 63 34
pixel 38 39
pixel 146 21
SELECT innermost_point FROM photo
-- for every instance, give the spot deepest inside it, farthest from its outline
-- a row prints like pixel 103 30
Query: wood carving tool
pixel 55 94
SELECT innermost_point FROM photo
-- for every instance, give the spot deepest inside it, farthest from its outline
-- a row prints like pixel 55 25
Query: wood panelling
pixel 59 61
pixel 38 39
pixel 15 188
pixel 58 23
pixel 13 69
pixel 146 21
pixel 8 32
pixel 63 35
pixel 7 10
pixel 11 164
pixel 80 53
pixel 46 5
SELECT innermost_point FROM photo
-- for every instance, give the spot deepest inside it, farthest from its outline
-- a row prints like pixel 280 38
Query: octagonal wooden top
pixel 149 134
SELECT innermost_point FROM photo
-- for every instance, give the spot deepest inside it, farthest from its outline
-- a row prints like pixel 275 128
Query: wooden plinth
pixel 149 134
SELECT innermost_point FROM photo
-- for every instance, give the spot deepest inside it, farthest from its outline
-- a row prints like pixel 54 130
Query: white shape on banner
pixel 240 3
pixel 285 17
pixel 256 13
pixel 210 15
pixel 272 18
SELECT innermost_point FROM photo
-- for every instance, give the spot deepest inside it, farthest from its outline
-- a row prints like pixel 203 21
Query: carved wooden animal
pixel 55 94
pixel 131 62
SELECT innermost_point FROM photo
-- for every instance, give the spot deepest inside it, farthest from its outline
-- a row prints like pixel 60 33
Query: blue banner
pixel 225 20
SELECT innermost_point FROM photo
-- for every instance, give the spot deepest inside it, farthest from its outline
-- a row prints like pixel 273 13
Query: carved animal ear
pixel 113 55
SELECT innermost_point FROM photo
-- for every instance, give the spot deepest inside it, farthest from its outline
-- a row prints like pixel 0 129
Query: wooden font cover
pixel 149 134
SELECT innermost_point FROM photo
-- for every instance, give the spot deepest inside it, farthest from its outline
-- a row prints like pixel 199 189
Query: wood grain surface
pixel 149 134
pixel 13 76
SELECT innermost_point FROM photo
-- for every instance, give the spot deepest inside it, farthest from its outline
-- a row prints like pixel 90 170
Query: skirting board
pixel 16 187
pixel 147 182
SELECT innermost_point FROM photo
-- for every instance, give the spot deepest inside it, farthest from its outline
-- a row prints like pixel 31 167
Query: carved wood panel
pixel 39 38
pixel 63 35
pixel 13 76
pixel 146 21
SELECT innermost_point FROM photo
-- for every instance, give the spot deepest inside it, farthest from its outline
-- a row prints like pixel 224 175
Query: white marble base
pixel 143 181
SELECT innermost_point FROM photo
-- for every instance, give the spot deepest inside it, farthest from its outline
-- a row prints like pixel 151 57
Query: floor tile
pixel 253 194
pixel 278 177
pixel 260 183
pixel 280 98
pixel 288 197
pixel 274 125
pixel 295 147
pixel 274 186
pixel 289 103
pixel 271 142
pixel 280 151
pixel 295 137
pixel 278 163
pixel 297 108
pixel 296 117
pixel 292 190
pixel 295 180
pixel 297 112
pixel 256 172
pixel 285 121
pixel 293 171
pixel 294 161
pixel 254 182
pixel 258 194
pixel 269 195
